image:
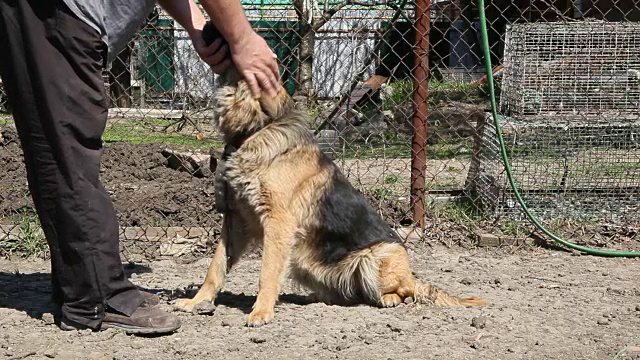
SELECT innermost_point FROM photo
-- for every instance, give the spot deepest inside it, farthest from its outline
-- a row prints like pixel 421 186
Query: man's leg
pixel 51 64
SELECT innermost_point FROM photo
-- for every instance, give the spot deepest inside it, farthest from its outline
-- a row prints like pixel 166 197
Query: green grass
pixel 461 211
pixel 513 228
pixel 391 179
pixel 439 91
pixel 392 145
pixel 30 240
pixel 151 131
pixel 5 119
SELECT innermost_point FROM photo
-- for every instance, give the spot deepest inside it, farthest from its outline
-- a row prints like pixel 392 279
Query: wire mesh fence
pixel 397 95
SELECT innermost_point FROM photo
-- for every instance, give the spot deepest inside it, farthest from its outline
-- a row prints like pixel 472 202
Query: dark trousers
pixel 51 64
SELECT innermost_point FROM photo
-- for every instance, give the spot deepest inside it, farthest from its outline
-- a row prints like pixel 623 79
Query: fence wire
pixel 568 75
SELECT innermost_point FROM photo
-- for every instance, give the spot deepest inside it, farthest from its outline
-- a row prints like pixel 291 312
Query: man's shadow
pixel 31 293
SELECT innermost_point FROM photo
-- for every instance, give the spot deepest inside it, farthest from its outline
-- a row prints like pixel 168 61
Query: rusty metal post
pixel 421 109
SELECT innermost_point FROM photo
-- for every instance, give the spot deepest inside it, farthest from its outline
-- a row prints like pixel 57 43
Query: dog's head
pixel 238 114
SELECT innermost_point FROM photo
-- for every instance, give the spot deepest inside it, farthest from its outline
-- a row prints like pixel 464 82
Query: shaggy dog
pixel 281 191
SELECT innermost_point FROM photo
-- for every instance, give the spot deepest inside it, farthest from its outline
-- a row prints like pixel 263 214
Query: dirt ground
pixel 544 304
pixel 146 192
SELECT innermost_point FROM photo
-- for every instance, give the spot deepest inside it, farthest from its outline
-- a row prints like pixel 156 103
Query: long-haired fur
pixel 313 224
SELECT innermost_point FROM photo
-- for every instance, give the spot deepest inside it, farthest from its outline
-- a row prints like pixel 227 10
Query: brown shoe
pixel 150 299
pixel 143 321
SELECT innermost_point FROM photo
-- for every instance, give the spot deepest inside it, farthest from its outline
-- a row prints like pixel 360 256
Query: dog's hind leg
pixel 221 262
pixel 395 278
pixel 278 241
pixel 397 283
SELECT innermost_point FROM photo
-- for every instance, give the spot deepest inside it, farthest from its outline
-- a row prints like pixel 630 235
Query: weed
pixel 381 193
pixel 439 91
pixel 512 228
pixel 391 179
pixel 460 211
pixel 29 240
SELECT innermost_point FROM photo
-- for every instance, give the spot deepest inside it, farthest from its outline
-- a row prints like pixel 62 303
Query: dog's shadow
pixel 245 302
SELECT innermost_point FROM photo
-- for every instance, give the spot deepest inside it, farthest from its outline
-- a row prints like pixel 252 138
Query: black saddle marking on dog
pixel 349 223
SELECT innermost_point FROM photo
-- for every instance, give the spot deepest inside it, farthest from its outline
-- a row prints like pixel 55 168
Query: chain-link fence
pixel 397 95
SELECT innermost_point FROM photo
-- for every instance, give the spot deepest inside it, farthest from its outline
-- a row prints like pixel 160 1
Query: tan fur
pixel 277 177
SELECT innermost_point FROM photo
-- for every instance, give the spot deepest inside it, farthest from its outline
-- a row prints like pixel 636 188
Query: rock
pixel 50 353
pixel 177 247
pixel 205 308
pixel 198 165
pixel 408 300
pixel 616 291
pixel 258 340
pixel 488 240
pixel 603 322
pixel 479 322
pixel 48 319
pixel 638 307
pixel 8 135
pixel 466 281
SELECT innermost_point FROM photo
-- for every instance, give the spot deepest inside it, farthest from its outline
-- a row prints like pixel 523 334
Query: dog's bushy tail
pixel 428 294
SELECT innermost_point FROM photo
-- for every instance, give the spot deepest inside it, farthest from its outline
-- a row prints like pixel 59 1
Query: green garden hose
pixel 505 158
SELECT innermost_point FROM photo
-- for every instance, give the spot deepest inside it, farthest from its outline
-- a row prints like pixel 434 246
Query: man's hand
pixel 257 64
pixel 250 53
pixel 215 55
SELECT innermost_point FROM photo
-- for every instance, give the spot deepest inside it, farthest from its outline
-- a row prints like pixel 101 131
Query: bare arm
pixel 250 53
pixel 187 14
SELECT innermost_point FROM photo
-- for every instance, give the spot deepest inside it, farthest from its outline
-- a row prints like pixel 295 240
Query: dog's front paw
pixel 185 305
pixel 259 317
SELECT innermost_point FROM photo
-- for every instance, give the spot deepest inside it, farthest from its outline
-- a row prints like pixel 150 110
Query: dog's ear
pixel 276 106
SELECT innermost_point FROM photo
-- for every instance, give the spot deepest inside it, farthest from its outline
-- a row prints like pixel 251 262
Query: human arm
pixel 250 53
pixel 187 14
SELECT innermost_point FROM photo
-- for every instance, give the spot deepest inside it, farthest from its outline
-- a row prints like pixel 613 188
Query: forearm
pixel 227 15
pixel 186 13
pixel 229 18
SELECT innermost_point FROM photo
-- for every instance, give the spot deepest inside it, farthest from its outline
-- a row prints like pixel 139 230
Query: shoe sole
pixel 133 330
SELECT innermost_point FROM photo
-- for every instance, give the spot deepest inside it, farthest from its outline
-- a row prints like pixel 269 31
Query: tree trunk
pixel 306 52
pixel 305 77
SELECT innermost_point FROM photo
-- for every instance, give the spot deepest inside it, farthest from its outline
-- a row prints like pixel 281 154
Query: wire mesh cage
pixel 570 102
pixel 590 67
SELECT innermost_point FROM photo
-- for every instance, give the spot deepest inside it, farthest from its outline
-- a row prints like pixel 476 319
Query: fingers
pixel 221 67
pixel 275 71
pixel 253 85
pixel 221 55
pixel 267 83
pixel 213 47
pixel 216 55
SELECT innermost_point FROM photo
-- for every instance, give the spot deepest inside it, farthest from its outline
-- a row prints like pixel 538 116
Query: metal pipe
pixel 421 109
pixel 285 2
